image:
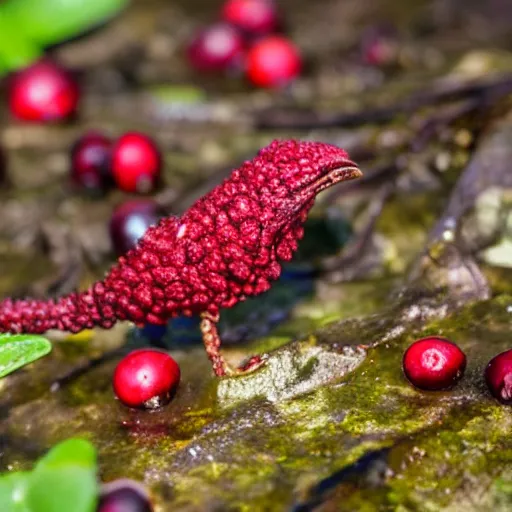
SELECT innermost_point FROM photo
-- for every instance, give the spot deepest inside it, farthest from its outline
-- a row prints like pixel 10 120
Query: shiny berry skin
pixel 43 92
pixel 273 62
pixel 218 47
pixel 146 378
pixel 130 221
pixel 90 161
pixel 124 495
pixel 136 163
pixel 254 17
pixel 498 376
pixel 433 363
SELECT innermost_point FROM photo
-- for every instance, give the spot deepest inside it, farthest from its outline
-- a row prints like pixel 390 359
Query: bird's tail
pixel 72 312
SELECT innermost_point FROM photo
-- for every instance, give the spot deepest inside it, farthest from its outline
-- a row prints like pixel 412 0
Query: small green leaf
pixel 72 452
pixel 21 349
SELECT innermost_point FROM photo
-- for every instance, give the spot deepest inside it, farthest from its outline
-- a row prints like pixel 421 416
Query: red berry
pixel 434 363
pixel 89 161
pixel 498 376
pixel 217 47
pixel 43 92
pixel 130 221
pixel 255 17
pixel 124 495
pixel 136 163
pixel 273 62
pixel 146 378
pixel 380 46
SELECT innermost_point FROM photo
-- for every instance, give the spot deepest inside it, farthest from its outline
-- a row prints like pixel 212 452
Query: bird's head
pixel 290 174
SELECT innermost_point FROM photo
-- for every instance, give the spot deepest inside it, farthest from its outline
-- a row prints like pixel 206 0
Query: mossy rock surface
pixel 326 421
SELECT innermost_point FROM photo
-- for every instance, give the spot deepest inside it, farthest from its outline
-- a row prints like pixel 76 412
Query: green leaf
pixel 13 488
pixel 76 452
pixel 62 489
pixel 64 480
pixel 53 21
pixel 21 349
pixel 16 50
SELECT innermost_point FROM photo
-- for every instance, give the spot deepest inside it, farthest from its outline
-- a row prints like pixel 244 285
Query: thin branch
pixel 444 92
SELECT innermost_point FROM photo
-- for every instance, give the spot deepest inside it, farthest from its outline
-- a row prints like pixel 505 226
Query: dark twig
pixel 444 92
pixel 429 128
pixel 82 369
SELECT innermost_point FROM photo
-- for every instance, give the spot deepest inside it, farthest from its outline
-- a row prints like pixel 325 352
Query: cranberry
pixel 273 61
pixel 217 47
pixel 124 495
pixel 434 363
pixel 254 17
pixel 136 163
pixel 146 378
pixel 498 376
pixel 380 46
pixel 43 92
pixel 89 161
pixel 130 221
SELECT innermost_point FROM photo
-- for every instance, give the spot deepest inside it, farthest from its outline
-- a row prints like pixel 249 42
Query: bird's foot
pixel 251 365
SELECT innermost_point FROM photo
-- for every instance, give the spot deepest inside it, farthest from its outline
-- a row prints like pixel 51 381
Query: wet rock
pixel 295 369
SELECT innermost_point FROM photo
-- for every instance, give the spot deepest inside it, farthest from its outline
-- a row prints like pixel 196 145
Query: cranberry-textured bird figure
pixel 225 248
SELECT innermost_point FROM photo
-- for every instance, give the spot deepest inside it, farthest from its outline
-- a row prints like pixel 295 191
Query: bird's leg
pixel 211 340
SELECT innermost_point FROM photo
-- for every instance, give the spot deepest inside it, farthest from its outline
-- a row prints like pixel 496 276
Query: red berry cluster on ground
pixel 146 378
pixel 435 363
pixel 246 39
pixel 43 92
pixel 133 162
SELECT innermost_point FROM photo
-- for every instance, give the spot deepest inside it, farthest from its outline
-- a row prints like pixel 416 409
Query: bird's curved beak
pixel 345 172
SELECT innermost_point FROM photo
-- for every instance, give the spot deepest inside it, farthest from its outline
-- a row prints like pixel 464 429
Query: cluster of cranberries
pixel 132 162
pixel 246 39
pixel 436 363
pixel 47 92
